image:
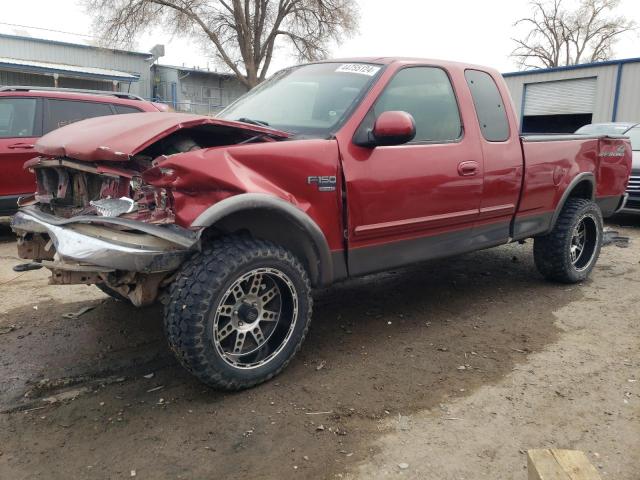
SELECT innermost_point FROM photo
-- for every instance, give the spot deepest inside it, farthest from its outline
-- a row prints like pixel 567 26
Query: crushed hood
pixel 118 137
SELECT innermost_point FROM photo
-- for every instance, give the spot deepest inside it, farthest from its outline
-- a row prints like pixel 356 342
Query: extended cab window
pixel 425 93
pixel 17 117
pixel 489 106
pixel 64 112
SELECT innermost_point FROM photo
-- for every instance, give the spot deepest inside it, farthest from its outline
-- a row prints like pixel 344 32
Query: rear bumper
pixel 119 245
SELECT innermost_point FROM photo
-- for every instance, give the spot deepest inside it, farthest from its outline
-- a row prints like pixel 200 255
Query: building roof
pixel 66 70
pixel 78 45
pixel 579 66
pixel 196 70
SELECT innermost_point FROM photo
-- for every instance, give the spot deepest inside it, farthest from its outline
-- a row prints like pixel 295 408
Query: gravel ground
pixel 378 390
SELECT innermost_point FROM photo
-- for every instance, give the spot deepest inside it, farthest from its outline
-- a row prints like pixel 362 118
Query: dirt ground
pixel 447 370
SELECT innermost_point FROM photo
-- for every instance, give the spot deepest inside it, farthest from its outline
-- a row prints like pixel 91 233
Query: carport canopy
pixel 75 71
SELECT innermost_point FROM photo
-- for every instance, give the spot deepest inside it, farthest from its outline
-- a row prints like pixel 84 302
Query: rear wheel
pixel 238 312
pixel 570 251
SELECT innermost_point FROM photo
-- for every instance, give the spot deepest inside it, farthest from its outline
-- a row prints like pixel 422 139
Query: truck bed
pixel 555 164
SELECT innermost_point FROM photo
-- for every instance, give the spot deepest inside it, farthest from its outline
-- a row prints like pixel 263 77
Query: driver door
pixel 418 200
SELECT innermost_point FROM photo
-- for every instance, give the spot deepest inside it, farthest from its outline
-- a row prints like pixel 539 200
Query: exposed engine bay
pixel 104 222
pixel 68 187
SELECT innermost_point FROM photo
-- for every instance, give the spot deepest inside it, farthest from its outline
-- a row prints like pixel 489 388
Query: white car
pixel 631 130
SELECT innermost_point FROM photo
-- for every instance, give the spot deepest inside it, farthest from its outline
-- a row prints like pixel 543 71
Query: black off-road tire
pixel 198 291
pixel 552 252
pixel 112 293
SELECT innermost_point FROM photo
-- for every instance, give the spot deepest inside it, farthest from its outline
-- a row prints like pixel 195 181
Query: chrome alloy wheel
pixel 255 318
pixel 584 241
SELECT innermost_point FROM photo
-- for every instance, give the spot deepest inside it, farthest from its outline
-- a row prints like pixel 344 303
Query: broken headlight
pixel 113 207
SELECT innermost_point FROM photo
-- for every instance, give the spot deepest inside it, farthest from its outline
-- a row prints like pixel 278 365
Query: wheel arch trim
pixel 577 180
pixel 257 201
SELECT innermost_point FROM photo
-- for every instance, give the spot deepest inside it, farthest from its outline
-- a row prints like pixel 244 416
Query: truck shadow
pixel 419 321
pixel 6 234
pixel 386 344
pixel 624 220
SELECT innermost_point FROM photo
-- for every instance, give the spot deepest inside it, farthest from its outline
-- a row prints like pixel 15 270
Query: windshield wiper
pixel 253 122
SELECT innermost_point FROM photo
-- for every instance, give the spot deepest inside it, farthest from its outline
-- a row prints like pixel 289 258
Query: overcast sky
pixel 464 30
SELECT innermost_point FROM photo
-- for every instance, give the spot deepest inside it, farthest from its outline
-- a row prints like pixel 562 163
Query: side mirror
pixel 391 128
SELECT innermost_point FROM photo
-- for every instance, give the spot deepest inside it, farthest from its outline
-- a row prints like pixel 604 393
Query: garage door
pixel 560 97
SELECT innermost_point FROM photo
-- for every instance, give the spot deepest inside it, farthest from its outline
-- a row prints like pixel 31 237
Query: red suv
pixel 27 113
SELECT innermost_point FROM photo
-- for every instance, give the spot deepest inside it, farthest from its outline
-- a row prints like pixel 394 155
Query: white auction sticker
pixel 361 68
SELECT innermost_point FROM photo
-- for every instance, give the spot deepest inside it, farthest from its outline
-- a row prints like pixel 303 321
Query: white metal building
pixel 43 62
pixel 562 99
pixel 194 90
pixel 40 62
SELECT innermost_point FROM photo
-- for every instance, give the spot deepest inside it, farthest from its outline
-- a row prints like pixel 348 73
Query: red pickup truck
pixel 327 171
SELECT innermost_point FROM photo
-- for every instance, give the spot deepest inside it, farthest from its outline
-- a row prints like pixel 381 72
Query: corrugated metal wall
pixel 163 77
pixel 629 102
pixel 605 88
pixel 33 49
pixel 234 90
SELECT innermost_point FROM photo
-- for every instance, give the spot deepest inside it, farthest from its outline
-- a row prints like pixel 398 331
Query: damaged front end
pixel 99 224
pixel 97 218
pixel 131 257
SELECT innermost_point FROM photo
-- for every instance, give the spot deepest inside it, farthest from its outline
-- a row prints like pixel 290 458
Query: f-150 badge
pixel 618 152
pixel 325 183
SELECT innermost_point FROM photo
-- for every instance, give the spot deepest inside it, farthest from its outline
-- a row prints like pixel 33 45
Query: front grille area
pixel 634 185
pixel 634 203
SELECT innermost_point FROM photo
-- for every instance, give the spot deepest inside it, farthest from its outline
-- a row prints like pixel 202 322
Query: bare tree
pixel 558 36
pixel 242 34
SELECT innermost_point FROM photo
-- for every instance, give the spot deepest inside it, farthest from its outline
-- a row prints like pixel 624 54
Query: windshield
pixel 634 135
pixel 310 100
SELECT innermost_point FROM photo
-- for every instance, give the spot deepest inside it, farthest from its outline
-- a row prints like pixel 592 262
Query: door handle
pixel 25 146
pixel 468 169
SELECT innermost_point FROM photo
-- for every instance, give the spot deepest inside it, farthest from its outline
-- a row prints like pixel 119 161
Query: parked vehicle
pixel 326 171
pixel 26 113
pixel 631 130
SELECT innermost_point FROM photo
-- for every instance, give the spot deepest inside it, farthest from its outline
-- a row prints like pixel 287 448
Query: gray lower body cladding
pixel 112 243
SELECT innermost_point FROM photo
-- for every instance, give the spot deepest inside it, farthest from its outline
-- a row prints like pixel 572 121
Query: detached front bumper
pixel 105 242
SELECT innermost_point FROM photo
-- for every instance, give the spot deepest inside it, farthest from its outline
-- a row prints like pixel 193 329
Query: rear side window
pixel 121 109
pixel 65 112
pixel 425 93
pixel 489 106
pixel 17 117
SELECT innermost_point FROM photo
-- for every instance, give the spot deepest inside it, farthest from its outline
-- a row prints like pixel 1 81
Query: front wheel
pixel 570 251
pixel 238 312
